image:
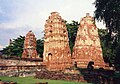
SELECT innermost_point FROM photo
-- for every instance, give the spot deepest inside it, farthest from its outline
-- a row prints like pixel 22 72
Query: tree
pixel 40 47
pixel 108 53
pixel 15 48
pixel 72 32
pixel 109 12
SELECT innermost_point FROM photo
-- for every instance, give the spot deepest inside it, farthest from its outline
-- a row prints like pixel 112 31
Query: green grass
pixel 32 80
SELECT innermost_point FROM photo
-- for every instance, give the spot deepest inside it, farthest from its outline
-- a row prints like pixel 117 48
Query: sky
pixel 17 17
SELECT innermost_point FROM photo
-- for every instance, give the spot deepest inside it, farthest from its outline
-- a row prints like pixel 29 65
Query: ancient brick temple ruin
pixel 30 46
pixel 57 55
pixel 87 46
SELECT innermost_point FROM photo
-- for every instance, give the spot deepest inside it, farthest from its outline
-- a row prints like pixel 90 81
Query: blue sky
pixel 17 17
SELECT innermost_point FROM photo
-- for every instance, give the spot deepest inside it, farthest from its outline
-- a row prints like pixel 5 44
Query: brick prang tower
pixel 87 46
pixel 30 46
pixel 57 55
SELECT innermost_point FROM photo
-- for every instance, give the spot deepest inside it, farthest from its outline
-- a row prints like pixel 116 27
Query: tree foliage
pixel 40 47
pixel 106 46
pixel 72 32
pixel 109 12
pixel 15 48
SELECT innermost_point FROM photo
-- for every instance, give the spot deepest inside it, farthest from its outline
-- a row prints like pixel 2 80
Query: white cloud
pixel 1 47
pixel 34 13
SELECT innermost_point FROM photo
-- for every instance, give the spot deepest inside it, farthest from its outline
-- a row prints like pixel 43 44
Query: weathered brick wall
pixel 58 75
pixel 9 62
pixel 98 76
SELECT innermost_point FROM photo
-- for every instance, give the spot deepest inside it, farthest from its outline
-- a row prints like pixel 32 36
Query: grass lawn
pixel 32 80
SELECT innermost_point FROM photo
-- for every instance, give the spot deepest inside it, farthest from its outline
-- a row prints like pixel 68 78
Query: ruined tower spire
pixel 87 46
pixel 30 46
pixel 56 54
